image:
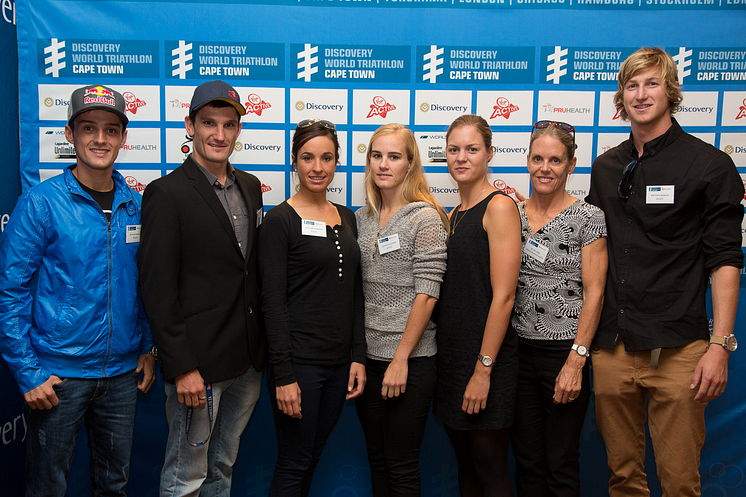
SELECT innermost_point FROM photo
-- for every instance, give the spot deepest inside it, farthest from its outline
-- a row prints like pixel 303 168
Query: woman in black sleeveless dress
pixel 477 346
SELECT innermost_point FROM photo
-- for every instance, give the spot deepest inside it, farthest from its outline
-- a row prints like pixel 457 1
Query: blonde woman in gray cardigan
pixel 402 236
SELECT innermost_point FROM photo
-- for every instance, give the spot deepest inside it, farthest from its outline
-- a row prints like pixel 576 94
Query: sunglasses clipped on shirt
pixel 625 185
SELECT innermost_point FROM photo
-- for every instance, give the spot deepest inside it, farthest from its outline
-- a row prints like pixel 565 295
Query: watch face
pixel 731 343
pixel 582 350
pixel 486 360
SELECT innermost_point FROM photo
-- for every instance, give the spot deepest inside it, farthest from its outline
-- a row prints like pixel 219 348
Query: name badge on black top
pixel 313 228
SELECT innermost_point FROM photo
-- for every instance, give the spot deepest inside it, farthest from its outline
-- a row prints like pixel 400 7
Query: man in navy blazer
pixel 199 286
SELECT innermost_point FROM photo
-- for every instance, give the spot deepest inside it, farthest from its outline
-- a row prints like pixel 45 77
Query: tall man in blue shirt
pixel 72 327
pixel 673 212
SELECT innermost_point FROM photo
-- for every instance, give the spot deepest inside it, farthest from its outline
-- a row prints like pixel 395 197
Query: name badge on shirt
pixel 133 233
pixel 313 228
pixel 259 217
pixel 388 244
pixel 659 194
pixel 536 250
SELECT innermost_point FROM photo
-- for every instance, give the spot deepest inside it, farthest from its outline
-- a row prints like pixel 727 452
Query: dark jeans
pixel 108 407
pixel 546 436
pixel 394 427
pixel 301 441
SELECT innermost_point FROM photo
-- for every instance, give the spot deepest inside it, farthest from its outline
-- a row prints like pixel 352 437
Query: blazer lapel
pixel 208 194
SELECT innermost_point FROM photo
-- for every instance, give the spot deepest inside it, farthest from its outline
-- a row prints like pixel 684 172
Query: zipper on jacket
pixel 111 320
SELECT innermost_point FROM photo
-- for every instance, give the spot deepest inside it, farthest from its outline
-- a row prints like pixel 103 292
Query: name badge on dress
pixel 659 194
pixel 259 217
pixel 133 233
pixel 536 250
pixel 388 244
pixel 313 228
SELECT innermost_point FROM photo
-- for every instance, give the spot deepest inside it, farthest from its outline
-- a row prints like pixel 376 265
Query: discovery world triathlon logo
pixel 307 58
pixel 432 62
pixel 380 107
pixel 503 108
pixel 54 57
pixel 255 105
pixel 556 65
pixel 181 60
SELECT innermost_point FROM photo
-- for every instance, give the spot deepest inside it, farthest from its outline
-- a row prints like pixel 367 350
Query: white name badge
pixel 313 228
pixel 388 244
pixel 659 194
pixel 536 250
pixel 259 217
pixel 133 233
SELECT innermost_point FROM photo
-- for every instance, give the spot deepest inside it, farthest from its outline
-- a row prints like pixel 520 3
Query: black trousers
pixel 546 436
pixel 394 427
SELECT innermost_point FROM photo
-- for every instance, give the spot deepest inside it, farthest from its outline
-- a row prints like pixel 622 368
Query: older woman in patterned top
pixel 557 308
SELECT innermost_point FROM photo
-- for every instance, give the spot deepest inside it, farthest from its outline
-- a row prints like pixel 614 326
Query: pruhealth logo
pixel 432 59
pixel 556 67
pixel 55 58
pixel 682 63
pixel 181 59
pixel 306 61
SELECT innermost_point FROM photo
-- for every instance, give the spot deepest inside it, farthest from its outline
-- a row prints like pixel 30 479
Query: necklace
pixel 465 211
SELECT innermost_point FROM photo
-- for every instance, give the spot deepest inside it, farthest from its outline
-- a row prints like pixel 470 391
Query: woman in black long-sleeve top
pixel 309 263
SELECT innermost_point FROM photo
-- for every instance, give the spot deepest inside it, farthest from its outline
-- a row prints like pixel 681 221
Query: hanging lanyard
pixel 208 394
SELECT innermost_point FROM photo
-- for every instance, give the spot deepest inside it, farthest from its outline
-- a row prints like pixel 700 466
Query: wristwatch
pixel 486 360
pixel 581 349
pixel 154 351
pixel 728 342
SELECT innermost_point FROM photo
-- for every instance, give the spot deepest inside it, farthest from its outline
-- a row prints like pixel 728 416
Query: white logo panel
pixel 608 115
pixel 506 108
pixel 178 145
pixel 263 105
pixel 53 147
pixel 360 142
pixel 380 106
pixel 584 152
pixel 273 186
pixel 734 144
pixel 510 183
pixel 734 108
pixel 139 179
pixel 143 146
pixel 607 141
pixel 511 149
pixel 142 103
pixel 177 102
pixel 307 103
pixel 260 146
pixel 432 147
pixel 573 107
pixel 578 185
pixel 441 106
pixel 699 108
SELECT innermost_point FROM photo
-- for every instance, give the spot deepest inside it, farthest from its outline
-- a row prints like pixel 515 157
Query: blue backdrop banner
pixel 362 64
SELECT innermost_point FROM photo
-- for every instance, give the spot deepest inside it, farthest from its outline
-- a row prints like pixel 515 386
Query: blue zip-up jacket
pixel 69 293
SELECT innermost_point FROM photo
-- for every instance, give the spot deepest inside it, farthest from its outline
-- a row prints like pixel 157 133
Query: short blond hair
pixel 642 60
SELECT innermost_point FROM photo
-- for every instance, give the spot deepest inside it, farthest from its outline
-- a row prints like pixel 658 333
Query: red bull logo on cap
pixel 99 90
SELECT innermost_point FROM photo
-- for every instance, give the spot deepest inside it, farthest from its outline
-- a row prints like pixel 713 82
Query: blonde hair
pixel 414 188
pixel 642 60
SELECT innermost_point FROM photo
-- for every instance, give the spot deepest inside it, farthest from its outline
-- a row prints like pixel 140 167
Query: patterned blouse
pixel 549 294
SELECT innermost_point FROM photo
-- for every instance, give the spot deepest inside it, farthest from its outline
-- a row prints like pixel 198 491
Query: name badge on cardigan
pixel 313 228
pixel 388 244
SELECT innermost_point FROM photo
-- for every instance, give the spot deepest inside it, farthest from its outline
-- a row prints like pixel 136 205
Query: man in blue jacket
pixel 72 326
